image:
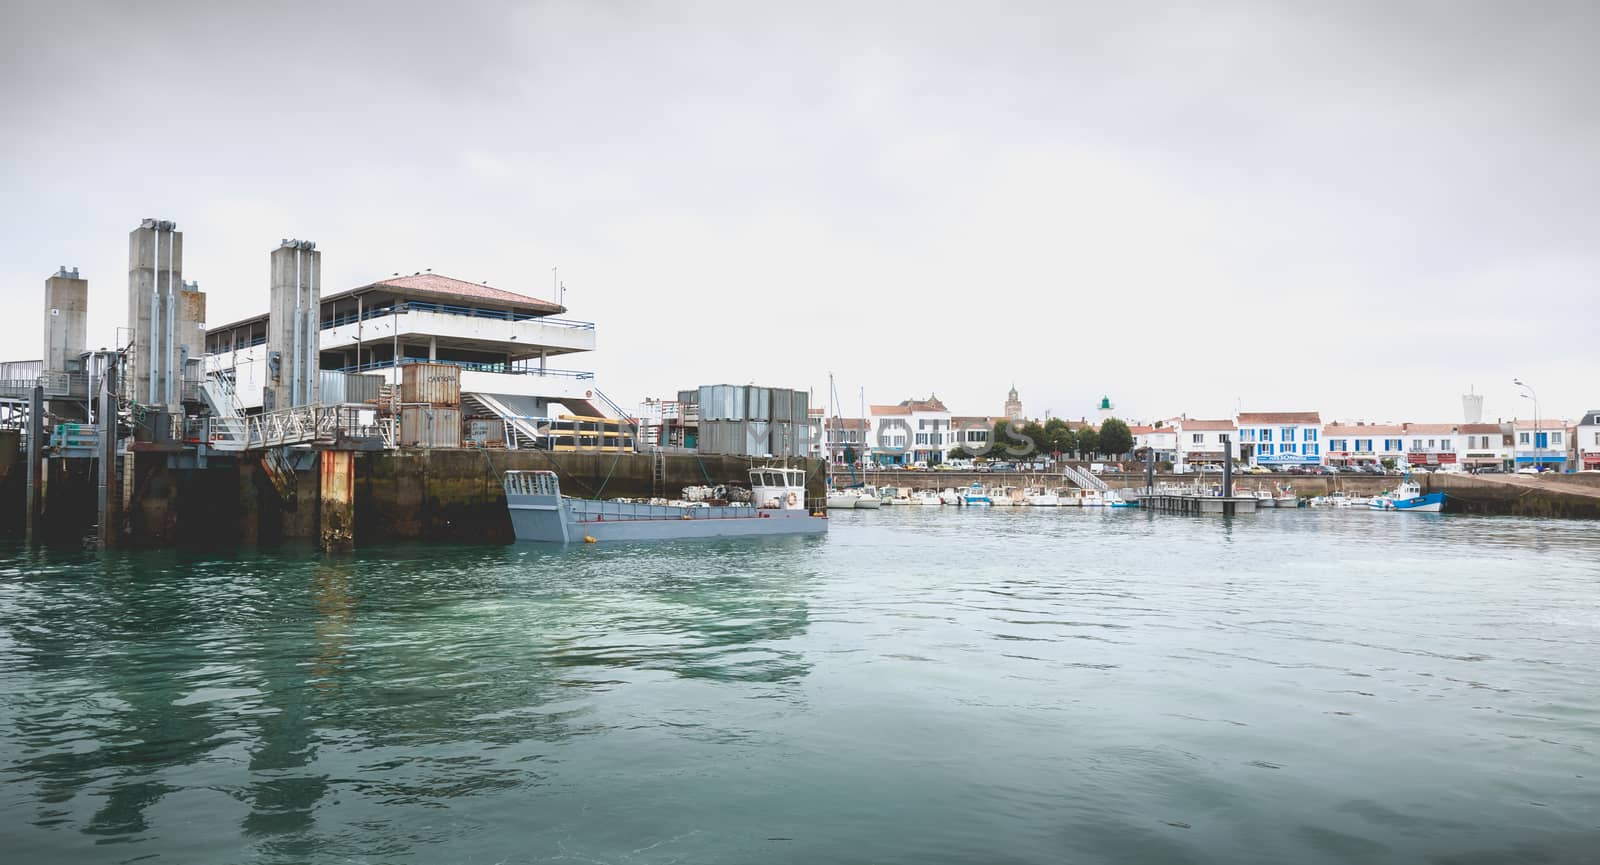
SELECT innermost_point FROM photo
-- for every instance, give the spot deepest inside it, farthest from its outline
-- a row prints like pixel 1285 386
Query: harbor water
pixel 922 685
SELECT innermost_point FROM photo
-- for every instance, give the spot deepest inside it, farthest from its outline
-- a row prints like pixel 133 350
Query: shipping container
pixel 437 384
pixel 339 388
pixel 425 426
pixel 485 432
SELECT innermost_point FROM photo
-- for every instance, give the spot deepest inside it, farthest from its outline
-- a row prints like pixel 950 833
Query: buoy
pixel 589 539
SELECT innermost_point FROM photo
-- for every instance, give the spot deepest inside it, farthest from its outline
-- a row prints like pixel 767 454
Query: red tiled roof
pixel 1204 425
pixel 890 410
pixel 1368 429
pixel 1431 428
pixel 1542 424
pixel 455 289
pixel 1271 417
pixel 1480 428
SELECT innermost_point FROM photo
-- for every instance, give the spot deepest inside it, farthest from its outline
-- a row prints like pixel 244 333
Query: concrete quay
pixel 343 499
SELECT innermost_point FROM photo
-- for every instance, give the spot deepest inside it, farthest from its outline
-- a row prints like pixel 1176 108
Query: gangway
pixel 1083 479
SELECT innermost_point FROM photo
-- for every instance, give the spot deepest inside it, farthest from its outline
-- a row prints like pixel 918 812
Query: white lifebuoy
pixel 793 498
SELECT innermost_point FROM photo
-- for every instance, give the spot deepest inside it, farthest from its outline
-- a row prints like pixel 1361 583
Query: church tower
pixel 1013 405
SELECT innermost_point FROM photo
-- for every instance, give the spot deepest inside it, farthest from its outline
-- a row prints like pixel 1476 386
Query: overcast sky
pixel 1359 208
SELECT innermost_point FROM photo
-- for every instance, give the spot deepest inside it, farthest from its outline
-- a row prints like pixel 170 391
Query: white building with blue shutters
pixel 1283 438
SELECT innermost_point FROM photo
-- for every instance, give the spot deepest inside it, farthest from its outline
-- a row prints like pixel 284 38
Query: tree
pixel 1058 437
pixel 1115 438
pixel 1088 442
pixel 1033 431
pixel 1006 441
pixel 960 453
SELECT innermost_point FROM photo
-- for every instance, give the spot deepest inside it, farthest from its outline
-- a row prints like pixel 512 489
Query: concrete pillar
pixel 35 479
pixel 190 347
pixel 106 476
pixel 336 500
pixel 433 348
pixel 155 276
pixel 66 319
pixel 294 326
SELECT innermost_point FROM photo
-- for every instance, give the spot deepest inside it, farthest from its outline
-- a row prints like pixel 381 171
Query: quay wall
pixel 436 496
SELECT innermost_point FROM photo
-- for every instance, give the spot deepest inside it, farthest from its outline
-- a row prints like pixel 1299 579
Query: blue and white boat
pixel 1408 496
pixel 539 512
pixel 976 496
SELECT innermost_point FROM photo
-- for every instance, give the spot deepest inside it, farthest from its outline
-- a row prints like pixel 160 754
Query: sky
pixel 1359 208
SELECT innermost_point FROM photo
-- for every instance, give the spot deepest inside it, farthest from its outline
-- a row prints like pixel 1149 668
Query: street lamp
pixel 1538 462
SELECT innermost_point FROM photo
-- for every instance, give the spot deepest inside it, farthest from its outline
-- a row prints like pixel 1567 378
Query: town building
pixel 1280 438
pixel 972 434
pixel 1540 442
pixel 1105 410
pixel 1159 443
pixel 847 439
pixel 1432 445
pixel 1351 445
pixel 1201 443
pixel 1587 441
pixel 924 425
pixel 503 342
pixel 1483 445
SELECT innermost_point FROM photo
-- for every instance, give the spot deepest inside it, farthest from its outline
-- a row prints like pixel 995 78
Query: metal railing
pixel 452 309
pixel 515 368
pixel 308 424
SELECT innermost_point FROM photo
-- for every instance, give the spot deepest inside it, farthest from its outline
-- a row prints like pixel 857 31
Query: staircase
pixel 522 431
pixel 275 463
pixel 228 426
pixel 1083 479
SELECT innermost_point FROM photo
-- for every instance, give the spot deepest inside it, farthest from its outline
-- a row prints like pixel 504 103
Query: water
pixel 923 686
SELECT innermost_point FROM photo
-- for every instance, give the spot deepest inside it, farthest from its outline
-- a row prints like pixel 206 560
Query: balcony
pixel 516 333
pixel 515 379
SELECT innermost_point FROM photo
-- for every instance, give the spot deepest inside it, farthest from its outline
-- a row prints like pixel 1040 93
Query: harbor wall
pixel 433 496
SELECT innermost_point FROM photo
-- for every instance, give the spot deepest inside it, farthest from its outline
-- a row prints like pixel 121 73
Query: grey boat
pixel 540 513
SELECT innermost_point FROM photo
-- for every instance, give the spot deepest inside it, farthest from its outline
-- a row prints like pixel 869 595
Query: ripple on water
pixel 923 685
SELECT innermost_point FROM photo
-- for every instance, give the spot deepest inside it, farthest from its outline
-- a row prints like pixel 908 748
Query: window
pixel 1394 445
pixel 1555 438
pixel 1264 450
pixel 1522 438
pixel 1597 438
pixel 1266 435
pixel 1309 434
pixel 1335 444
pixel 1288 434
pixel 1446 446
pixel 1364 445
pixel 1289 447
pixel 1314 449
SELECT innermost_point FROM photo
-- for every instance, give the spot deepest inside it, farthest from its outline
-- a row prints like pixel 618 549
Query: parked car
pixel 1209 468
pixel 1488 470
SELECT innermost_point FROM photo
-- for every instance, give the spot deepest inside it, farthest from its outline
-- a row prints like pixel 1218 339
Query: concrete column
pixel 31 525
pixel 106 466
pixel 294 324
pixel 155 275
pixel 336 500
pixel 66 319
pixel 433 347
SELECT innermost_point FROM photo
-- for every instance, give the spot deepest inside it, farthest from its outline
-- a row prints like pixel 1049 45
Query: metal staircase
pixel 280 472
pixel 1083 479
pixel 522 431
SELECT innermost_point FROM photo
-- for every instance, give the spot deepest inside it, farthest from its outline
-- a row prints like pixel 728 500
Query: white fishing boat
pixel 1004 496
pixel 868 500
pixel 1264 498
pixel 1286 499
pixel 1039 497
pixel 926 498
pixel 1068 497
pixel 949 497
pixel 1091 499
pixel 1408 496
pixel 843 500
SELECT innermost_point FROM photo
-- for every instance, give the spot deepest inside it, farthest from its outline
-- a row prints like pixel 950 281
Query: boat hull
pixel 561 520
pixel 1428 503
